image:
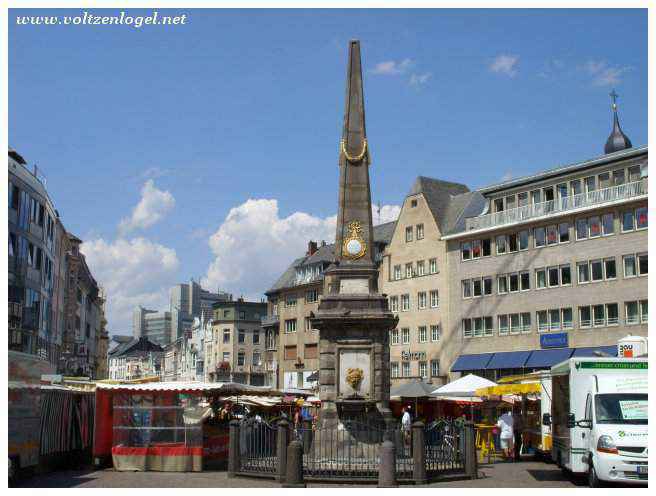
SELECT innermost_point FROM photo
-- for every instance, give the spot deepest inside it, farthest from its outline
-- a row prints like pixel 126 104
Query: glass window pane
pixel 553 276
pixel 641 218
pixel 595 226
pixel 512 243
pixel 543 320
pixel 629 265
pixel 612 313
pixel 514 323
pixel 584 275
pixel 476 248
pixel 575 186
pixel 501 245
pixel 567 318
pixel 596 268
pixel 584 316
pixel 565 275
pixel 627 221
pixel 611 272
pixel 618 177
pixel 590 184
pixel 539 236
pixel 554 316
pixel 642 264
pixel 644 314
pixel 514 282
pixel 502 283
pixel 608 221
pixel 604 180
pixel 541 278
pixel 487 286
pixel 581 228
pixel 503 324
pixel 477 287
pixel 523 240
pixel 631 309
pixel 552 235
pixel 634 173
pixel 599 315
pixel 525 281
pixel 563 231
pixel 487 247
pixel 526 322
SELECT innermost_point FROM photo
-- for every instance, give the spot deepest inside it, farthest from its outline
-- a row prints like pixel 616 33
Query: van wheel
pixel 593 480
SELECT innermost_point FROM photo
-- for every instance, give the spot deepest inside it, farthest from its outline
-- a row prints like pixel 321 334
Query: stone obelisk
pixel 353 318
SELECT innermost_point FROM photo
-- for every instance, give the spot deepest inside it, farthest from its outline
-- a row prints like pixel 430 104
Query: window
pixel 563 232
pixel 523 240
pixel 241 359
pixel 466 288
pixel 394 369
pixel 476 248
pixel 585 317
pixel 408 270
pixel 394 303
pixel 612 314
pixel 575 186
pixel 395 336
pixel 487 286
pixel 510 202
pixel 435 368
pixel 257 358
pixel 465 249
pixel 642 264
pixel 604 180
pixel 514 323
pixel 434 298
pixel 630 265
pixel 553 276
pixel 598 315
pixel 489 326
pixel 567 318
pixel 596 270
pixel 290 352
pixel 608 224
pixel 525 280
pixel 536 196
pixel 584 273
pixel 548 194
pixel 487 247
pixel 641 218
pixel 565 275
pixel 421 300
pixel 432 265
pixel 561 190
pixel 512 243
pixel 241 336
pixel 618 177
pixel 543 320
pixel 408 234
pixel 634 173
pixel 514 283
pixel 310 350
pixel 226 336
pixel 502 284
pixel 421 268
pixel 477 287
pixel 627 221
pixel 611 272
pixel 552 235
pixel 420 231
pixel 308 324
pixel 397 272
pixel 498 205
pixel 581 229
pixel 311 296
pixel 590 184
pixel 423 334
pixel 526 322
pixel 595 227
pixel 256 337
pixel 413 203
pixel 423 369
pixel 554 319
pixel 478 326
pixel 644 314
pixel 631 312
pixel 290 326
pixel 405 302
pixel 226 356
pixel 539 237
pixel 406 369
pixel 522 199
pixel 291 300
pixel 501 244
pixel 467 328
pixel 435 333
pixel 503 325
pixel 405 335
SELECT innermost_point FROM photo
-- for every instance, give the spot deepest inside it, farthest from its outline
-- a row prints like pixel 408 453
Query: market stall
pixel 163 426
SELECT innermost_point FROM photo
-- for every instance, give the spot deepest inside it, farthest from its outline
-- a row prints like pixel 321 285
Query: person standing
pixel 406 425
pixel 505 425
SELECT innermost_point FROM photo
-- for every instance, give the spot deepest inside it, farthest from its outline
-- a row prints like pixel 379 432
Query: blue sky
pixel 154 139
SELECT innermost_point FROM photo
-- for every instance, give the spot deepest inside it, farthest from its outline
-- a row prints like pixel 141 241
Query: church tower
pixel 353 318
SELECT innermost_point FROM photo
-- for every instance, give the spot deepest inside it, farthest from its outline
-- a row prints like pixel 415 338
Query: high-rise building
pixel 190 301
pixel 152 324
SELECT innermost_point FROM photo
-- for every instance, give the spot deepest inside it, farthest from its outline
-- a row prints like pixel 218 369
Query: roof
pixel 326 253
pixel 440 196
pixel 119 338
pixel 227 387
pixel 17 156
pixel 413 389
pixel 135 347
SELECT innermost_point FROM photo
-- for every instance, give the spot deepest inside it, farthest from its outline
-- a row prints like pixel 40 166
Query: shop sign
pixel 557 340
pixel 413 355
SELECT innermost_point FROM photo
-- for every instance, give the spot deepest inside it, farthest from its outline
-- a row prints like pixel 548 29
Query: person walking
pixel 406 426
pixel 505 425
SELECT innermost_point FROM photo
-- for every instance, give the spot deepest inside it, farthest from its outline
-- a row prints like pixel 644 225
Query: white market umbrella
pixel 463 389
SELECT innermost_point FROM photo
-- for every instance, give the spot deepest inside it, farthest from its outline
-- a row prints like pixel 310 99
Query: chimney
pixel 312 248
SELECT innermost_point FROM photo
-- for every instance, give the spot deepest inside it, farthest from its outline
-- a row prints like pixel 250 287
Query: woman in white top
pixel 505 424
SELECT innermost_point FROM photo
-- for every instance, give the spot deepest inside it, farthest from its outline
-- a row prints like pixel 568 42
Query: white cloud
pixel 254 244
pixel 132 272
pixel 388 213
pixel 392 67
pixel 152 208
pixel 505 64
pixel 419 79
pixel 508 175
pixel 604 74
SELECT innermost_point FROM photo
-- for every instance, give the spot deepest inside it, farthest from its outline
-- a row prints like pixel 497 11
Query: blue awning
pixel 590 351
pixel 471 362
pixel 547 358
pixel 508 360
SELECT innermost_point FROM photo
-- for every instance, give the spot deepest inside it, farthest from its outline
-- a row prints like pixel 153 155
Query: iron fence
pixel 257 443
pixel 445 446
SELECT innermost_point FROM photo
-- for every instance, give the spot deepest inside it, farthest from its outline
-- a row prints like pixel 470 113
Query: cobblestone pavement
pixel 523 474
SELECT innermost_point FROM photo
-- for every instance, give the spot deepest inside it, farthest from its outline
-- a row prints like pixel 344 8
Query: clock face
pixel 353 247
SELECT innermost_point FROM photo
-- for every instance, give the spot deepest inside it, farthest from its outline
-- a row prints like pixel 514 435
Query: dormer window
pixel 413 203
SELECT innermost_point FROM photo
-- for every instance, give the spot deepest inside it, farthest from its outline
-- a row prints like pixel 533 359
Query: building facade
pixel 190 301
pixel 184 358
pixel 234 349
pixel 135 359
pixel 152 324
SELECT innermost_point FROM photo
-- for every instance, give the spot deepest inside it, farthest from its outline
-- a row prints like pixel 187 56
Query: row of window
pixel 32 255
pixel 241 358
pixel 424 298
pixel 31 210
pixel 557 319
pixel 311 296
pixel 241 336
pixel 422 369
pixel 310 350
pixel 402 336
pixel 550 277
pixel 409 230
pixel 411 271
pixel 572 188
pixel 585 228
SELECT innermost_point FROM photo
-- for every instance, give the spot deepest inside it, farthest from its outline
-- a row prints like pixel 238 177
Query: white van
pixel 599 418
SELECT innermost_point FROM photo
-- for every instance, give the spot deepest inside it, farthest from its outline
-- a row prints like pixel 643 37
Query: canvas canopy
pixel 464 388
pixel 414 389
pixel 509 389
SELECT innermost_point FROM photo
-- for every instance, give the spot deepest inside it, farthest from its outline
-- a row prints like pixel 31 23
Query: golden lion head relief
pixel 354 377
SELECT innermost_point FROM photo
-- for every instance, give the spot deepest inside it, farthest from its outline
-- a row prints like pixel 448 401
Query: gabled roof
pixel 135 347
pixel 440 199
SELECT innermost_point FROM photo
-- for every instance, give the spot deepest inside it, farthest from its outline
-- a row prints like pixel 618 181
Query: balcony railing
pixel 592 198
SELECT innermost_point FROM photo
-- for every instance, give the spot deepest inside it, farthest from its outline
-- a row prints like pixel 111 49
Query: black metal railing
pixel 257 442
pixel 445 446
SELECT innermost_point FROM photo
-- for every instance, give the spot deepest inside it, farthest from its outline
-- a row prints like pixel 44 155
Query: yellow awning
pixel 501 389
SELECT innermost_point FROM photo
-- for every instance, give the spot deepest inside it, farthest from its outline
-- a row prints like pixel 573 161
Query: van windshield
pixel 621 408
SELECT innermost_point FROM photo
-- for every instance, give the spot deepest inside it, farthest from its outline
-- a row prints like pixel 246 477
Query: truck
pixel 599 419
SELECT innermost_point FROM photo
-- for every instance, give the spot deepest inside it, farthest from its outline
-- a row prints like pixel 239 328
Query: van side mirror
pixel 586 424
pixel 571 422
pixel 546 419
